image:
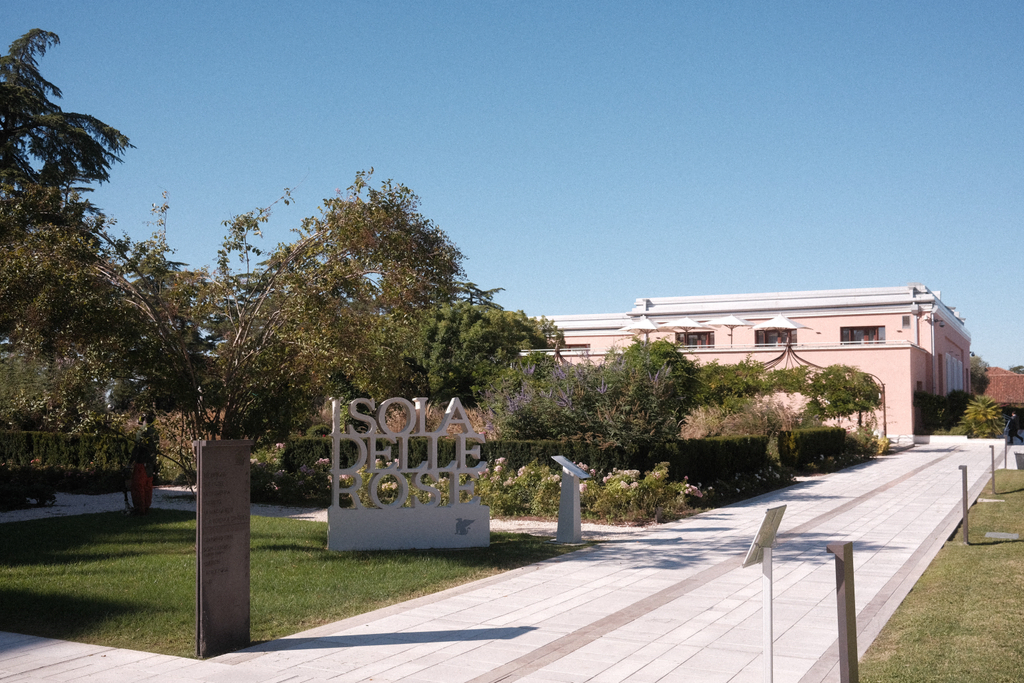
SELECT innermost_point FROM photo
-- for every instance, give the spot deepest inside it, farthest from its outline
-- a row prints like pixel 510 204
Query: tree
pixel 631 404
pixel 731 385
pixel 465 346
pixel 471 293
pixel 1016 369
pixel 40 144
pixel 839 391
pixel 979 375
pixel 50 297
pixel 56 315
pixel 241 351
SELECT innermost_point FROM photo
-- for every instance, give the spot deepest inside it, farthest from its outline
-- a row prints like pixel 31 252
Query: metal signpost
pixel 847 609
pixel 992 452
pixel 963 470
pixel 570 529
pixel 761 551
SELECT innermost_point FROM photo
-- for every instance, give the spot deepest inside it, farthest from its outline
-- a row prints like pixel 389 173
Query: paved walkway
pixel 669 604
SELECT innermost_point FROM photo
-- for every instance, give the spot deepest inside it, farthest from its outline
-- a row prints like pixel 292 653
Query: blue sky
pixel 582 155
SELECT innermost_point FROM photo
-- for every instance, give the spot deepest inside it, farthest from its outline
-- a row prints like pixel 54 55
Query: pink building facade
pixel 906 337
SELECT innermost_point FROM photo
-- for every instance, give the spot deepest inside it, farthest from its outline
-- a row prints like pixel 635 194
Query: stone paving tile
pixel 689 674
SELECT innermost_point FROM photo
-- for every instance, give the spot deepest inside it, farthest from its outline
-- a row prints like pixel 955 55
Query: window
pixel 954 374
pixel 774 337
pixel 862 335
pixel 695 338
pixel 906 322
pixel 577 347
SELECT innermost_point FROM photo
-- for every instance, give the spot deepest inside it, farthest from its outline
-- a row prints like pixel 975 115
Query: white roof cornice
pixel 767 305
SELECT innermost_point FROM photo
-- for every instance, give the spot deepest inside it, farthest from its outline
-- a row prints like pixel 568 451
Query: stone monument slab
pixel 222 546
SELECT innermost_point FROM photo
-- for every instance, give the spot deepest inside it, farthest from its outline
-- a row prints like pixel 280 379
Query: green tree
pixel 841 391
pixel 239 349
pixel 1016 369
pixel 788 380
pixel 56 315
pixel 472 294
pixel 730 386
pixel 655 354
pixel 51 299
pixel 465 346
pixel 242 348
pixel 979 375
pixel 40 144
pixel 630 404
pixel 663 355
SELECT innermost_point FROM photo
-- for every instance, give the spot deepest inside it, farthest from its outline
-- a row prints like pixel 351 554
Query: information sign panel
pixel 570 467
pixel 765 537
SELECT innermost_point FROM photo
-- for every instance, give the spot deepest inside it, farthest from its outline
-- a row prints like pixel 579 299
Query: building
pixel 905 337
pixel 1005 387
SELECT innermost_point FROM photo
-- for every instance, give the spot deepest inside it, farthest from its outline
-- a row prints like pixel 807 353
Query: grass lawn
pixel 129 582
pixel 964 620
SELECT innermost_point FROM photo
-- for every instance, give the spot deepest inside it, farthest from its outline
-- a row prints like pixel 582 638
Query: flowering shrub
pixel 626 496
pixel 745 485
pixel 532 490
pixel 632 400
pixel 622 496
pixel 308 486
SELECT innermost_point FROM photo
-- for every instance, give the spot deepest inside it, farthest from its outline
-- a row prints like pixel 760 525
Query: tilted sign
pixel 391 504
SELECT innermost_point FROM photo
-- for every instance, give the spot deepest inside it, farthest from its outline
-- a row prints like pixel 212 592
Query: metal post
pixel 992 452
pixel 963 469
pixel 570 529
pixel 847 607
pixel 766 611
pixel 761 549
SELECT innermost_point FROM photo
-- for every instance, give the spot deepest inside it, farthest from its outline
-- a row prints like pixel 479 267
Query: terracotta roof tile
pixel 1005 387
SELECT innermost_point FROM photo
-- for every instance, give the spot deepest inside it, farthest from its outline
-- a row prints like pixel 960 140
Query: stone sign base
pixel 420 528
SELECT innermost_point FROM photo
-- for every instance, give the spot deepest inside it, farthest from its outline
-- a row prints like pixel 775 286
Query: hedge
pixel 940 413
pixel 802 446
pixel 307 450
pixel 701 460
pixel 103 453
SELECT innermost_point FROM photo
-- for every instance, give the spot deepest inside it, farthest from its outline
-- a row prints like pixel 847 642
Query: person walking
pixel 1012 429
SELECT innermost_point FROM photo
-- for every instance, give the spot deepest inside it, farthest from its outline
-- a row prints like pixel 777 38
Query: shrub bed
pixel 703 460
